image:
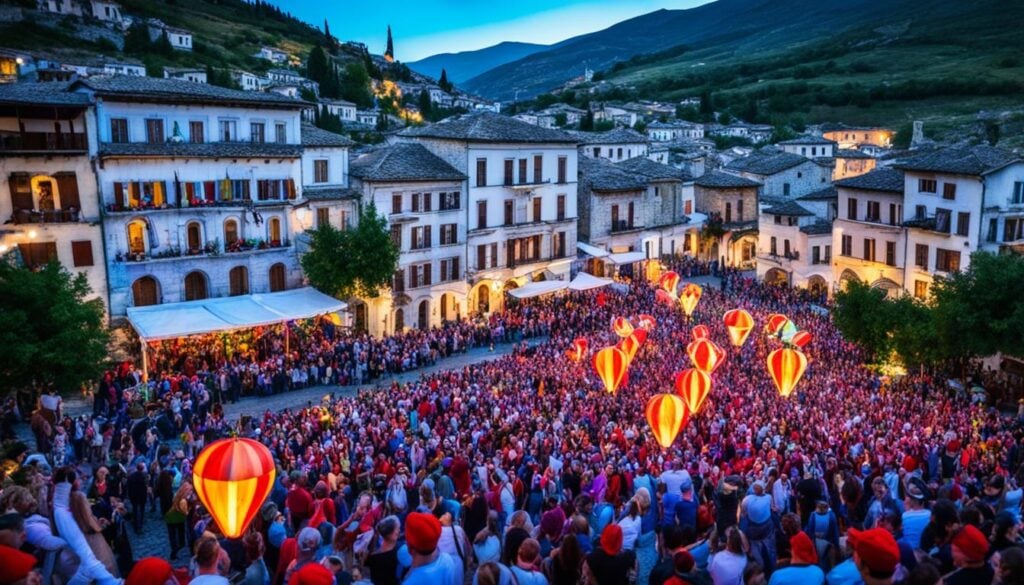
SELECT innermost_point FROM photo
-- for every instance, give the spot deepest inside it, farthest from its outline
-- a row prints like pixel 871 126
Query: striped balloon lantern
pixel 669 281
pixel 739 323
pixel 787 331
pixel 786 367
pixel 693 386
pixel 775 322
pixel 666 413
pixel 802 338
pixel 611 364
pixel 622 327
pixel 664 297
pixel 232 478
pixel 579 349
pixel 705 355
pixel 700 332
pixel 689 298
pixel 631 344
pixel 646 322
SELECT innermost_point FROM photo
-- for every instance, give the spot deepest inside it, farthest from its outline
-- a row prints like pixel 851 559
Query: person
pixel 176 516
pixel 312 574
pixel 90 569
pixel 875 554
pixel 970 549
pixel 151 571
pixel 429 565
pixel 823 528
pixel 93 530
pixel 307 544
pixel 915 515
pixel 1004 532
pixel 609 564
pixel 756 519
pixel 683 565
pixel 672 542
pixel 256 572
pixel 727 565
pixel 803 566
pixel 454 542
pixel 487 543
pixel 1010 566
pixel 382 560
pixel 515 534
pixel 526 568
pixel 564 565
pixel 138 493
pixel 208 562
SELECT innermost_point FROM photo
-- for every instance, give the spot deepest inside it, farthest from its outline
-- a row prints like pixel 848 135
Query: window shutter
pixel 67 186
pixel 81 253
pixel 119 195
pixel 290 185
pixel 455 273
pixel 426 274
pixel 21 191
pixel 427 242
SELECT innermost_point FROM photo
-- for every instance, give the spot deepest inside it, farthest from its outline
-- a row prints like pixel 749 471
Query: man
pixel 803 568
pixel 138 492
pixel 208 555
pixel 684 574
pixel 429 565
pixel 307 543
pixel 881 501
pixel 18 568
pixel 686 504
pixel 969 550
pixel 299 502
pixel 667 568
pixel 756 520
pixel 916 516
pixel 875 554
pixel 525 568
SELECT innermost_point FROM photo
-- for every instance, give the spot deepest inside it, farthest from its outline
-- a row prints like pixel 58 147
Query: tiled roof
pixel 403 161
pixel 605 176
pixel 47 93
pixel 720 180
pixel 671 125
pixel 760 164
pixel 203 150
pixel 851 153
pixel 885 179
pixel 808 140
pixel 313 136
pixel 616 136
pixel 977 160
pixel 817 229
pixel 820 195
pixel 654 171
pixel 788 208
pixel 330 193
pixel 489 127
pixel 180 91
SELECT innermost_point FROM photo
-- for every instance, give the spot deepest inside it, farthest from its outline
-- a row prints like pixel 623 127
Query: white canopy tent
pixel 591 250
pixel 626 258
pixel 584 281
pixel 536 289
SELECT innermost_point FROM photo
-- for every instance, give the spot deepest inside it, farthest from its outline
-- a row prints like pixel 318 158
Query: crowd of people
pixel 524 470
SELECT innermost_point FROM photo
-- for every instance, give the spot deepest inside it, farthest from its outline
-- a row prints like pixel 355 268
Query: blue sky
pixel 426 27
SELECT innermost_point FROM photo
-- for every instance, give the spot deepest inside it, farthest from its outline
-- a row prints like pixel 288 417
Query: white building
pixel 424 200
pixel 856 137
pixel 285 76
pixel 66 7
pixel 674 131
pixel 615 145
pixel 783 175
pixel 809 147
pixel 794 245
pixel 272 54
pixel 550 117
pixel 756 133
pixel 48 202
pixel 185 74
pixel 106 11
pixel 344 110
pixel 368 117
pixel 521 200
pixel 180 39
pixel 245 80
pixel 124 68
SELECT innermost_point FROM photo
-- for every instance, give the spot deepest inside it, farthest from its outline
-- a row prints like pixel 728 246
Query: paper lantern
pixel 693 386
pixel 802 338
pixel 669 281
pixel 334 318
pixel 689 297
pixel 622 327
pixel 661 296
pixel 786 367
pixel 787 331
pixel 666 413
pixel 705 355
pixel 646 322
pixel 700 332
pixel 232 478
pixel 611 364
pixel 775 322
pixel 579 349
pixel 631 344
pixel 739 323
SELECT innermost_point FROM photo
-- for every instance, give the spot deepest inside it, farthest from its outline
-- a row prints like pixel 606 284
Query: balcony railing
pixel 624 226
pixel 24 216
pixel 42 141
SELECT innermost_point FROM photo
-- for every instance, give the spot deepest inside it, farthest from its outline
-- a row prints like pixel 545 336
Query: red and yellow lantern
pixel 693 386
pixel 631 344
pixel 622 327
pixel 646 322
pixel 775 323
pixel 666 413
pixel 669 281
pixel 705 355
pixel 611 364
pixel 232 478
pixel 700 332
pixel 689 298
pixel 661 296
pixel 801 338
pixel 739 323
pixel 579 349
pixel 786 367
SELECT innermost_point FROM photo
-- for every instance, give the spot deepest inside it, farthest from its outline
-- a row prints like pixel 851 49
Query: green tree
pixel 352 263
pixel 424 103
pixel 560 119
pixel 316 65
pixel 51 335
pixel 859 314
pixel 587 122
pixel 707 105
pixel 163 45
pixel 389 52
pixel 355 85
pixel 444 83
pixel 136 40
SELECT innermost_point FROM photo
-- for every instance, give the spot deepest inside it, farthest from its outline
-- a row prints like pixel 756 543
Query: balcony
pixel 622 226
pixel 26 216
pixel 42 142
pixel 252 245
pixel 939 224
pixel 209 250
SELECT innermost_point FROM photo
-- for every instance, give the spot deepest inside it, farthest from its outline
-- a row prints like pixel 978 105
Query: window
pixel 1013 229
pixel 949 191
pixel 920 289
pixel 816 255
pixel 320 171
pixel 890 253
pixel 942 220
pixel 421 238
pixel 869 249
pixel 561 208
pixel 275 189
pixel 194 237
pixel 396 203
pixel 449 234
pixel 238 281
pixel 509 212
pixel 323 216
pixel 154 131
pixel 230 232
pixel 119 130
pixel 449 201
pixel 427 202
pixel 343 219
pixel 81 253
pixel 195 286
pixel 828 254
pixel 1018 193
pixel 558 245
pixel 785 189
pixel 926 186
pixel 398 281
pixel 773 247
pixel 537 209
pixel 228 130
pixel 257 132
pixel 847 246
pixel 963 223
pixel 450 269
pixel 481 257
pixel 419 275
pixel 144 292
pixel 396 236
pixel 597 152
pixel 728 212
pixel 921 256
pixel 416 206
pixel 196 134
pixel 538 168
pixel 277 277
pixel 494 255
pixel 481 172
pixel 893 216
pixel 522 171
pixel 874 211
pixel 947 260
pixel 615 217
pixel 993 226
pixel 509 171
pixel 778 220
pixel 785 248
pixel 37 254
pixel 851 209
pixel 481 214
pixel 280 133
pixel 563 164
pixel 274 231
pixel 739 210
pixel 920 212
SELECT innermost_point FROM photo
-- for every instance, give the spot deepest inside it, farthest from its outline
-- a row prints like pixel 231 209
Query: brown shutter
pixel 81 253
pixel 21 191
pixel 427 240
pixel 426 274
pixel 119 195
pixel 481 257
pixel 290 186
pixel 67 186
pixel 455 273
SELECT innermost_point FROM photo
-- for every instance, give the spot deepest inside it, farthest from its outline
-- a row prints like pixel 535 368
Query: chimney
pixel 917 138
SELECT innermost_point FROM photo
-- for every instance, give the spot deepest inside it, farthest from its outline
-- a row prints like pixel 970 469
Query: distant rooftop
pixel 808 140
pixel 720 180
pixel 791 208
pixel 820 195
pixel 654 171
pixel 200 150
pixel 313 136
pixel 46 93
pixel 760 164
pixel 603 176
pixel 616 136
pixel 403 161
pixel 489 127
pixel 884 179
pixel 179 91
pixel 976 160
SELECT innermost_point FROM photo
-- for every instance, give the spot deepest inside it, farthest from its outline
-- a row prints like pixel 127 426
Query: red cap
pixel 611 539
pixel 803 549
pixel 16 565
pixel 972 543
pixel 683 561
pixel 312 574
pixel 876 549
pixel 149 570
pixel 422 531
pixel 909 463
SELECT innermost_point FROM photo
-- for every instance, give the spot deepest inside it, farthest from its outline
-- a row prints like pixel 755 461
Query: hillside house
pixel 180 39
pixel 272 54
pixel 783 175
pixel 730 203
pixel 809 146
pixel 615 145
pixel 185 74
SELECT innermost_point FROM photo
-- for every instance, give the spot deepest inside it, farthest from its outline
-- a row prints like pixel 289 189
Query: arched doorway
pixel 891 288
pixel 145 292
pixel 238 280
pixel 274 231
pixel 776 277
pixel 817 286
pixel 230 232
pixel 194 235
pixel 137 237
pixel 399 320
pixel 424 315
pixel 361 318
pixel 483 298
pixel 277 282
pixel 449 308
pixel 846 278
pixel 195 286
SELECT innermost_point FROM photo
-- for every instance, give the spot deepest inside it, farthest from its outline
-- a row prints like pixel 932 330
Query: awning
pixel 627 257
pixel 536 289
pixel 591 250
pixel 226 313
pixel 698 218
pixel 584 281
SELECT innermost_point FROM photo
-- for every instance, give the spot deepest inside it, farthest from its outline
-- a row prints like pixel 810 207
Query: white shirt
pixel 727 568
pixel 630 531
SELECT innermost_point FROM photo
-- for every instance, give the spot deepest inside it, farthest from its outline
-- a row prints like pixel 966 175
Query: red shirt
pixel 299 502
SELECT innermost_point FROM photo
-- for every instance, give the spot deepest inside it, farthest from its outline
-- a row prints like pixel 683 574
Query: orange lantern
pixel 689 297
pixel 775 323
pixel 693 386
pixel 786 367
pixel 664 297
pixel 666 413
pixel 631 344
pixel 622 327
pixel 700 332
pixel 646 322
pixel 705 355
pixel 669 281
pixel 802 338
pixel 232 478
pixel 739 323
pixel 579 349
pixel 611 364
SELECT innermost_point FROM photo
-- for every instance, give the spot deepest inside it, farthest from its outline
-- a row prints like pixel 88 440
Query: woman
pixel 610 564
pixel 256 572
pixel 646 544
pixel 383 559
pixel 727 565
pixel 454 542
pixel 1010 568
pixel 99 486
pixel 93 530
pixel 90 569
pixel 565 565
pixel 487 544
pixel 1004 532
pixel 630 524
pixel 176 516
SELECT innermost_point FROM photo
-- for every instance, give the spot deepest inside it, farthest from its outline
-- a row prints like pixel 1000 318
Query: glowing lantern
pixel 232 478
pixel 666 413
pixel 334 318
pixel 786 367
pixel 669 281
pixel 705 355
pixel 689 297
pixel 693 386
pixel 700 332
pixel 579 349
pixel 802 338
pixel 646 322
pixel 631 344
pixel 664 297
pixel 611 364
pixel 775 323
pixel 739 323
pixel 622 327
pixel 787 331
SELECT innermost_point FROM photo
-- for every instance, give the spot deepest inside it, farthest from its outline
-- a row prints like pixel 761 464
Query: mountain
pixel 466 64
pixel 723 31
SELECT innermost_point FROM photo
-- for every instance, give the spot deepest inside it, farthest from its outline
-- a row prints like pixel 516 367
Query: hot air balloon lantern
pixel 232 478
pixel 622 327
pixel 786 366
pixel 666 413
pixel 646 322
pixel 787 332
pixel 689 298
pixel 661 296
pixel 669 281
pixel 700 332
pixel 802 338
pixel 611 364
pixel 579 349
pixel 693 386
pixel 631 345
pixel 705 355
pixel 739 323
pixel 774 323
